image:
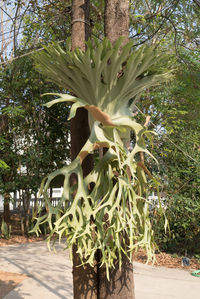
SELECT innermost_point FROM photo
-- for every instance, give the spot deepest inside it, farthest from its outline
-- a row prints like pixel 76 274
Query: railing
pixel 153 199
pixel 40 202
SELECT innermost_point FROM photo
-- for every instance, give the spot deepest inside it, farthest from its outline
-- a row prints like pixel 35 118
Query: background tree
pixel 34 135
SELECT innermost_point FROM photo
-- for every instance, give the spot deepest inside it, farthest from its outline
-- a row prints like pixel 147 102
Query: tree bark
pixel 4 155
pixel 6 208
pixel 121 284
pixel 80 23
pixel 80 130
pixel 116 20
pixel 84 278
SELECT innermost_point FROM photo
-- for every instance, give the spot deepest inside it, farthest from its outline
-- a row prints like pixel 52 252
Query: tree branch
pixel 6 13
pixel 197 3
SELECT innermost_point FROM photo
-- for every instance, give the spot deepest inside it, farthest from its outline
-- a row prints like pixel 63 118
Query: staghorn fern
pixel 104 78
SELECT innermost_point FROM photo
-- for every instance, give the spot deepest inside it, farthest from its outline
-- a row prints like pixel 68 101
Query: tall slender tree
pixel 84 278
pixel 121 285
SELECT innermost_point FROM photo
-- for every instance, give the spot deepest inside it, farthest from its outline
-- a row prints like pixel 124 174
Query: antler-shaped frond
pixel 106 76
pixel 104 79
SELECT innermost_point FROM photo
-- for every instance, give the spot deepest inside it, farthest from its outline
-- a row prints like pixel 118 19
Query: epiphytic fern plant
pixel 107 210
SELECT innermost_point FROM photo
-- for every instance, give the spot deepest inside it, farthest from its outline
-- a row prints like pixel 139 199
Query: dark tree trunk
pixel 26 203
pixel 4 132
pixel 84 278
pixel 121 284
pixel 6 208
pixel 85 283
pixel 80 130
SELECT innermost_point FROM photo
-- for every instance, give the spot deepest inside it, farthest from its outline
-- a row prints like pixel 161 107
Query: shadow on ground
pixel 49 273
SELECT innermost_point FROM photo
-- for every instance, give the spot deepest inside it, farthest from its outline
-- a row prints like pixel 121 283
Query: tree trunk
pixel 80 130
pixel 121 284
pixel 4 132
pixel 80 23
pixel 27 197
pixel 6 208
pixel 84 278
pixel 116 20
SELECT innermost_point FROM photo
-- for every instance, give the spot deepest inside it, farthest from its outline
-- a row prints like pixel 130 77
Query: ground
pixel 9 281
pixel 167 260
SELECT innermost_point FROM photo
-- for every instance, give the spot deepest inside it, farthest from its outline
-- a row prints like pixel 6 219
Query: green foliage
pixel 3 164
pixel 171 25
pixel 183 192
pixel 31 135
pixel 107 210
pixel 175 111
pixel 16 111
pixel 182 213
pixel 5 230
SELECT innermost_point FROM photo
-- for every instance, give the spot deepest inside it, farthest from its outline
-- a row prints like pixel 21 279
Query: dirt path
pixel 167 260
pixel 8 281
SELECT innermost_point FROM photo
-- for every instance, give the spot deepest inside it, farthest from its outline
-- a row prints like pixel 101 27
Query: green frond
pixel 115 209
pixel 105 76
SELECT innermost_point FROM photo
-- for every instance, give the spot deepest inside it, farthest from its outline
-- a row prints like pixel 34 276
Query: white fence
pixel 15 202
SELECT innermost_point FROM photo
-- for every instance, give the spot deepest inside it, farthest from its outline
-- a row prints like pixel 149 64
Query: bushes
pixel 183 214
pixel 5 230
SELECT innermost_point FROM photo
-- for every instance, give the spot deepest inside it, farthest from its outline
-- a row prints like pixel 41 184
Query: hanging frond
pixel 108 207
